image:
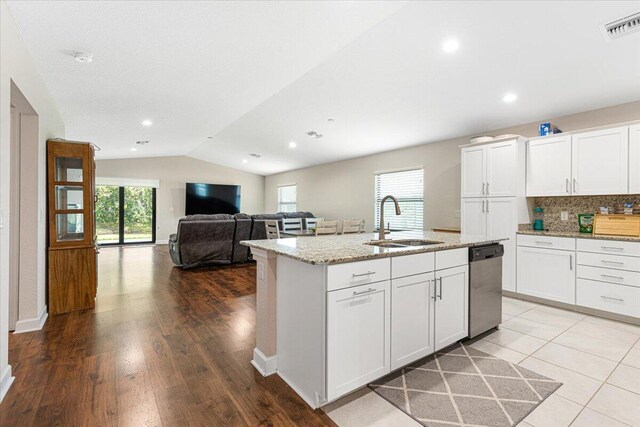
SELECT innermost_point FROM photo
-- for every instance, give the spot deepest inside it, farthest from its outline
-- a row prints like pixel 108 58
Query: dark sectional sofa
pixel 215 239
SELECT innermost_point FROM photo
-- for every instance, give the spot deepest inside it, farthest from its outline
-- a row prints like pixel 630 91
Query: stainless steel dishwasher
pixel 485 288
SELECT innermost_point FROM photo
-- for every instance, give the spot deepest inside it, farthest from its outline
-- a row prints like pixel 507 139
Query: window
pixel 408 187
pixel 287 198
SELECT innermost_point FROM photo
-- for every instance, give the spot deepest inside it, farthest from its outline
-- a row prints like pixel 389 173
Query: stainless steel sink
pixel 402 243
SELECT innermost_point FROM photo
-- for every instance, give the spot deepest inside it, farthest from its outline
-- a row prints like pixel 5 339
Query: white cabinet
pixel 451 306
pixel 490 170
pixel 473 166
pixel 549 166
pixel 412 323
pixel 501 169
pixel 547 273
pixel 634 159
pixel 358 336
pixel 600 162
pixel 473 219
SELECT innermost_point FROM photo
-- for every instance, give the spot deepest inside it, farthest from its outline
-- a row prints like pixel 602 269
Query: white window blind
pixel 287 198
pixel 408 187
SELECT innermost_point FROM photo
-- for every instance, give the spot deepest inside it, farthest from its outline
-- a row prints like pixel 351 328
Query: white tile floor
pixel 597 360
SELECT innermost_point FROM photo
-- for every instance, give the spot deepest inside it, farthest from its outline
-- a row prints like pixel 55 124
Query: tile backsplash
pixel 553 206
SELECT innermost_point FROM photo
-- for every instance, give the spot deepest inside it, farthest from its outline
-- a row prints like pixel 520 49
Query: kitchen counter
pixel 351 247
pixel 577 235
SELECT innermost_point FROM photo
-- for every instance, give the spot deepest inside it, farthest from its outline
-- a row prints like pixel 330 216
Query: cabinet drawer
pixel 548 242
pixel 616 247
pixel 609 261
pixel 609 297
pixel 408 265
pixel 452 258
pixel 358 273
pixel 629 278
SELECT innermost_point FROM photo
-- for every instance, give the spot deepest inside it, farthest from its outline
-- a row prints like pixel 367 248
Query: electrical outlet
pixel 564 216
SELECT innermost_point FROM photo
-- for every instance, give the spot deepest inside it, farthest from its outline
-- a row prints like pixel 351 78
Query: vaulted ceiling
pixel 221 80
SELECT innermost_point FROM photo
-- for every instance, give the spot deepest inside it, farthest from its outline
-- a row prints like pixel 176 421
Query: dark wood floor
pixel 162 347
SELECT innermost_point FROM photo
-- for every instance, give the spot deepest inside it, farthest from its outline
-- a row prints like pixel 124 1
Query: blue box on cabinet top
pixel 547 129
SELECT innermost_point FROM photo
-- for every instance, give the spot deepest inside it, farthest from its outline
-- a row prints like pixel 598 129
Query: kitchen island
pixel 337 312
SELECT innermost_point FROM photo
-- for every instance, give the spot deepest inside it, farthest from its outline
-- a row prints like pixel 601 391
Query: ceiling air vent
pixel 621 27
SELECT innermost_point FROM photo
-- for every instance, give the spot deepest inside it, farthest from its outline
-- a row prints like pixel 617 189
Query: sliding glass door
pixel 125 214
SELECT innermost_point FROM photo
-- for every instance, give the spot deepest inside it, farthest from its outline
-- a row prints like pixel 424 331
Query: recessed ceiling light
pixel 245 161
pixel 147 123
pixel 83 57
pixel 133 149
pixel 450 45
pixel 292 144
pixel 509 97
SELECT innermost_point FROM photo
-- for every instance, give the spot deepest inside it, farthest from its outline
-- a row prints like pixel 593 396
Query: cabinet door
pixel 358 331
pixel 549 166
pixel 547 273
pixel 502 162
pixel 502 223
pixel 634 159
pixel 473 217
pixel 411 318
pixel 473 171
pixel 600 162
pixel 451 306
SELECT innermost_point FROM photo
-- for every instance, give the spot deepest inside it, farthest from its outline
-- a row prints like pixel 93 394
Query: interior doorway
pixel 23 200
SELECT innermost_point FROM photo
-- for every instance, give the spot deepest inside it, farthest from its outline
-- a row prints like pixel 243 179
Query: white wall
pixel 173 173
pixel 17 65
pixel 345 189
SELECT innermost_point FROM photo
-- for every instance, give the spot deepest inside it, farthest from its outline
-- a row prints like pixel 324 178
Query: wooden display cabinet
pixel 72 249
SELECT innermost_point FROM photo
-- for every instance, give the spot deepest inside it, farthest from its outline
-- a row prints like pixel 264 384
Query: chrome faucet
pixel 381 228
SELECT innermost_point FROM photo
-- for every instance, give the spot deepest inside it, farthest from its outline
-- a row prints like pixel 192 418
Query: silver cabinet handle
pixel 487 206
pixel 604 261
pixel 612 298
pixel 440 296
pixel 368 273
pixel 483 188
pixel 540 242
pixel 482 205
pixel 607 276
pixel 487 188
pixel 570 262
pixel 435 291
pixel 368 291
pixel 574 185
pixel 611 248
pixel 567 186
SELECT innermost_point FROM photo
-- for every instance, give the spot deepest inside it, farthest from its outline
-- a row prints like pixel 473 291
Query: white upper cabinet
pixel 600 162
pixel 549 166
pixel 501 169
pixel 473 171
pixel 634 159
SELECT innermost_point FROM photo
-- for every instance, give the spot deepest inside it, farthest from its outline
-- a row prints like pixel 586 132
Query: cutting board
pixel 617 225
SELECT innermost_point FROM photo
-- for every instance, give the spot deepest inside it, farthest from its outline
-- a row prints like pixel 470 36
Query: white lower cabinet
pixel 451 306
pixel 547 273
pixel 358 336
pixel 610 297
pixel 412 319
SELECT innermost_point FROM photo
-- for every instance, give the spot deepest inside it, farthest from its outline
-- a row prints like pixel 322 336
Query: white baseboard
pixel 30 325
pixel 162 242
pixel 265 365
pixel 5 382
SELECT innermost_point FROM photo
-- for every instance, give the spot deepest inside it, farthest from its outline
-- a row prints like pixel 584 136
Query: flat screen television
pixel 212 199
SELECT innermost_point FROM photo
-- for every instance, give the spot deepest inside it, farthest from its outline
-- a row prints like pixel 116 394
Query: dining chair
pixel 271 227
pixel 290 224
pixel 312 223
pixel 327 227
pixel 351 226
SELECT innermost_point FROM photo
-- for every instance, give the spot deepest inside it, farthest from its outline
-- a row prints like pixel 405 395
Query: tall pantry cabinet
pixel 493 195
pixel 72 248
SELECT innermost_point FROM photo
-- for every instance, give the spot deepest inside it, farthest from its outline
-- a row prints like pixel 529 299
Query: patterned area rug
pixel 463 387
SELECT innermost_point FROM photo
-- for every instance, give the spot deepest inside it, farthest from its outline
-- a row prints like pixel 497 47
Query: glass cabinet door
pixel 69 199
pixel 68 169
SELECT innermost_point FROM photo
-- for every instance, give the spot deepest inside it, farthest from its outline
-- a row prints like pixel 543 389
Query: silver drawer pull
pixel 368 291
pixel 612 277
pixel 612 298
pixel 604 261
pixel 611 248
pixel 368 273
pixel 539 242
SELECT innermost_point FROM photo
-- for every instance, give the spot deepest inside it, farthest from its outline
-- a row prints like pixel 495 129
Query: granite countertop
pixel 577 235
pixel 351 247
